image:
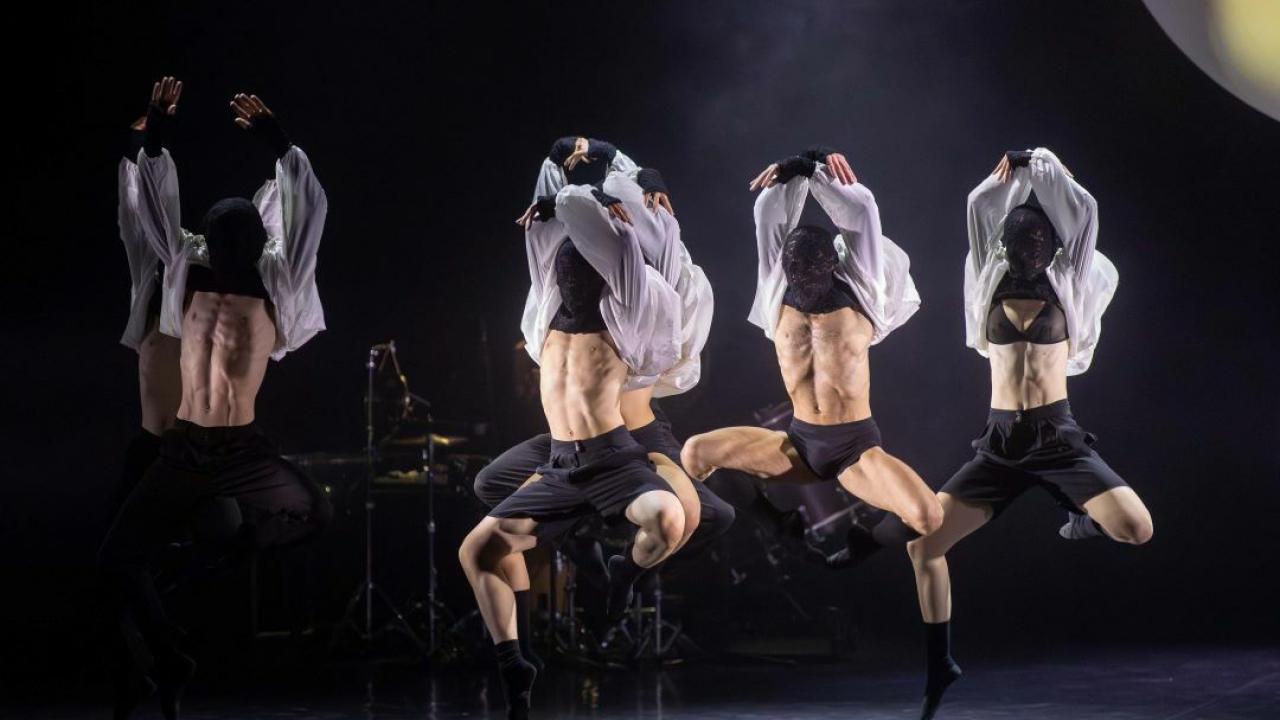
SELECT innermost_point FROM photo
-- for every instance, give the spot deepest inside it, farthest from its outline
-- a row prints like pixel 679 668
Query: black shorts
pixel 829 449
pixel 600 475
pixel 1040 447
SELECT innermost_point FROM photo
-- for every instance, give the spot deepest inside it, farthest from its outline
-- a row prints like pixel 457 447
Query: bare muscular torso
pixel 159 380
pixel 226 343
pixel 581 384
pixel 824 364
pixel 1025 375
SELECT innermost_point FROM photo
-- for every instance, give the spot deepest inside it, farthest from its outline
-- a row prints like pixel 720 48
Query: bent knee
pixel 924 516
pixel 692 456
pixel 1134 530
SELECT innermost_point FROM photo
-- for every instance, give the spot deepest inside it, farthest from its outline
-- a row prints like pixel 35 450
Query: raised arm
pixel 777 212
pixel 605 240
pixel 137 251
pixel 568 152
pixel 853 210
pixel 158 207
pixel 293 205
pixel 1071 209
pixel 1004 189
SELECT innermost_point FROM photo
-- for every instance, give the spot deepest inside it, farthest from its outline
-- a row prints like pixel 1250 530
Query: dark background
pixel 426 123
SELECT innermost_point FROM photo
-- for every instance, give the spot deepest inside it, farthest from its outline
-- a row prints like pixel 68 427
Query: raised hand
pixel 526 220
pixel 249 109
pixel 581 147
pixel 840 168
pixel 1004 169
pixel 165 94
pixel 654 200
pixel 765 179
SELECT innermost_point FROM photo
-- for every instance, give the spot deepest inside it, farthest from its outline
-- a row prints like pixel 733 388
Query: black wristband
pixel 793 166
pixel 603 198
pixel 137 138
pixel 601 150
pixel 159 128
pixel 544 208
pixel 818 153
pixel 1019 158
pixel 267 129
pixel 650 181
pixel 561 149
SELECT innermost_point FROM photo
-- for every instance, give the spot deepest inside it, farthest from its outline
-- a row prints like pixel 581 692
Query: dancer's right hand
pixel 766 178
pixel 165 94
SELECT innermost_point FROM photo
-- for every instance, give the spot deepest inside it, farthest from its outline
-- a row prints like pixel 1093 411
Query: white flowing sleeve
pixel 158 208
pixel 1071 209
pixel 611 247
pixel 777 212
pixel 989 203
pixel 853 210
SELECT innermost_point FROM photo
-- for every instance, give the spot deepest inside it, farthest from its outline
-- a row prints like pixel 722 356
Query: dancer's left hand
pixel 766 178
pixel 654 200
pixel 839 167
pixel 581 147
pixel 249 108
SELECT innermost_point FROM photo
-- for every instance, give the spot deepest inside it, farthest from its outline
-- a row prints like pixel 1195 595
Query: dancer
pixel 1035 292
pixel 824 303
pixel 707 517
pixel 252 296
pixel 159 379
pixel 602 319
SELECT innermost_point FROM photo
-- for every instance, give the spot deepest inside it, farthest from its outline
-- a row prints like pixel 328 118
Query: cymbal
pixel 421 440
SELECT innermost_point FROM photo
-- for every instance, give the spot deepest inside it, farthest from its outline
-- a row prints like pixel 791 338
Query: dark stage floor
pixel 1181 684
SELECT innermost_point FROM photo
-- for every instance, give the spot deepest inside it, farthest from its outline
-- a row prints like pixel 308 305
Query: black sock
pixel 517 678
pixel 523 630
pixel 942 669
pixel 623 573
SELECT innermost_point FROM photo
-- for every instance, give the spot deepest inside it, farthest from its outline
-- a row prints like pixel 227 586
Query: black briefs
pixel 829 449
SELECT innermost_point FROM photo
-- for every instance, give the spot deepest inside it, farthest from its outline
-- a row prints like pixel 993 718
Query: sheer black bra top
pixel 1049 326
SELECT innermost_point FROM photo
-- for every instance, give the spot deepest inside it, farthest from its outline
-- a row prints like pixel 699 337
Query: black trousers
pixel 502 477
pixel 278 506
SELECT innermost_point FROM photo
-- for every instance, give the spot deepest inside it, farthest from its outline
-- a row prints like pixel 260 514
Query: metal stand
pixel 367 590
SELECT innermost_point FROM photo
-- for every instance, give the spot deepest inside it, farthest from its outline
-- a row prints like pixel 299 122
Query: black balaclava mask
pixel 810 260
pixel 1030 241
pixel 580 288
pixel 600 154
pixel 235 236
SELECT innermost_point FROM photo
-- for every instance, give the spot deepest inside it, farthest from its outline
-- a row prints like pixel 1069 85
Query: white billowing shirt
pixel 293 207
pixel 1083 278
pixel 875 269
pixel 658 233
pixel 141 258
pixel 551 178
pixel 640 310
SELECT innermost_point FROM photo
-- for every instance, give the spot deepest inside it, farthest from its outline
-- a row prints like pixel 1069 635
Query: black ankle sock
pixel 623 573
pixel 518 675
pixel 942 669
pixel 172 673
pixel 523 630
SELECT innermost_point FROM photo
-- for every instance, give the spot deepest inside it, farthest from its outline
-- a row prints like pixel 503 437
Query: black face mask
pixel 235 236
pixel 580 290
pixel 1030 241
pixel 809 259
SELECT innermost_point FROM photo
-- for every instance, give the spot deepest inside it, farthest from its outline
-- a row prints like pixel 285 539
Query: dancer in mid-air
pixel 239 294
pixel 824 302
pixel 643 193
pixel 1035 292
pixel 601 319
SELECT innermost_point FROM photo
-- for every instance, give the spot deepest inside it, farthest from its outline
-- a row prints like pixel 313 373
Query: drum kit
pixel 413 464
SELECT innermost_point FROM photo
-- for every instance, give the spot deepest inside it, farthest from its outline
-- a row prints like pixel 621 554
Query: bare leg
pixel 933 586
pixel 660 518
pixel 1122 515
pixel 760 452
pixel 684 490
pixel 886 482
pixel 481 554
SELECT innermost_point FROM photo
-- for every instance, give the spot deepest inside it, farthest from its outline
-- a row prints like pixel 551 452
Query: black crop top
pixel 1049 326
pixel 837 297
